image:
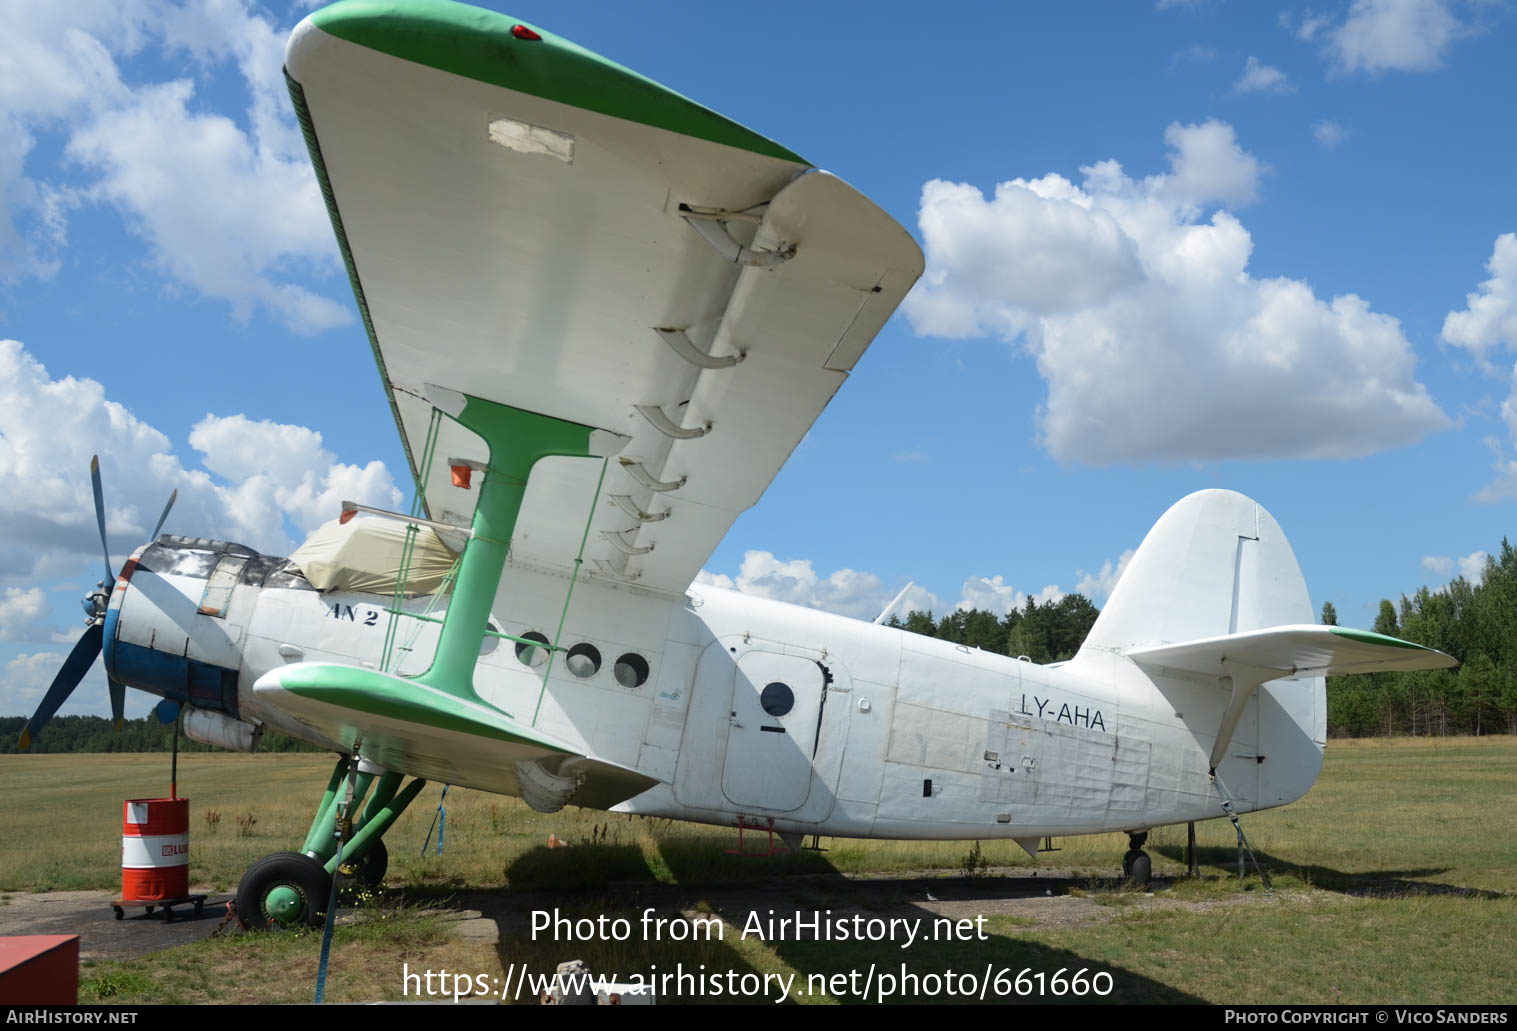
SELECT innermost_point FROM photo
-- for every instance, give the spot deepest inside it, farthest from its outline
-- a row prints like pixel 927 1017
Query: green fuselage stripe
pixel 479 45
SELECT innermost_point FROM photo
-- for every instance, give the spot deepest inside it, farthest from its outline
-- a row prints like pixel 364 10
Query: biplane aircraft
pixel 605 316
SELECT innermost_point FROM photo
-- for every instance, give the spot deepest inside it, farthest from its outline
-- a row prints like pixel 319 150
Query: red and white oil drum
pixel 155 849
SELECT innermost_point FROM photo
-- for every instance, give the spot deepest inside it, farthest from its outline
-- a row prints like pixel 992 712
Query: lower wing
pixel 412 728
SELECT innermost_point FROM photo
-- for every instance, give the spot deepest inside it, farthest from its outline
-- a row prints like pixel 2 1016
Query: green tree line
pixel 1476 624
pixel 97 734
pixel 1043 633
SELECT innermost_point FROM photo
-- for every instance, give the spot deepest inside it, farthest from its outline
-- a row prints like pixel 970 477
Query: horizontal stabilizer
pixel 1295 651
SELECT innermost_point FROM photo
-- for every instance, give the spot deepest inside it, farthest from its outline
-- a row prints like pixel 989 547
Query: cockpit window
pixel 218 586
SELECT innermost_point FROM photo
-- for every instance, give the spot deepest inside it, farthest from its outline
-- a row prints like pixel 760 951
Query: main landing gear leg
pixel 1137 867
pixel 288 889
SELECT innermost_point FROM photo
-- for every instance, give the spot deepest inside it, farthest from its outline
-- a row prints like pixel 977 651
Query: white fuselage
pixel 875 732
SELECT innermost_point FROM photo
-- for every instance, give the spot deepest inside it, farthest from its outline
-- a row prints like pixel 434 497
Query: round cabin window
pixel 631 670
pixel 777 699
pixel 583 660
pixel 534 655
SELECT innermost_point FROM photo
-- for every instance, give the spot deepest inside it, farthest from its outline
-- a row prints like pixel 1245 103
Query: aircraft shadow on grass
pixel 616 880
pixel 1370 883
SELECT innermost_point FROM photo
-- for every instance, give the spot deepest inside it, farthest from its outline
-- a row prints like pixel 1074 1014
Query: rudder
pixel 1215 563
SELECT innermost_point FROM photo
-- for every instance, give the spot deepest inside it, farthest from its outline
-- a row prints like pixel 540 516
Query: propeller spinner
pixel 87 648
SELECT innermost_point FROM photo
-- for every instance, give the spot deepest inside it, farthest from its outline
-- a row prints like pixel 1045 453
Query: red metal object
pixel 461 475
pixel 522 32
pixel 155 849
pixel 756 825
pixel 39 970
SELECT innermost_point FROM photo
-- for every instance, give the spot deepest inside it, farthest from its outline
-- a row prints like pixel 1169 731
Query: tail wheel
pixel 286 889
pixel 369 869
pixel 1137 869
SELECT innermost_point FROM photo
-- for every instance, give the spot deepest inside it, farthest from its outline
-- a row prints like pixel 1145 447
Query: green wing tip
pixel 1370 637
pixel 26 740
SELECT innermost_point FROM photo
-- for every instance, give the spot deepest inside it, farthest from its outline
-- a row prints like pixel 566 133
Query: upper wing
pixel 1295 652
pixel 520 219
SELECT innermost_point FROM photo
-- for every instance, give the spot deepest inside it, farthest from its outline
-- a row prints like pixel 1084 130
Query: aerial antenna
pixel 891 607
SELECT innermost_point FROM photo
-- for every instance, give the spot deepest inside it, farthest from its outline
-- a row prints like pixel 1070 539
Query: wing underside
pixel 539 227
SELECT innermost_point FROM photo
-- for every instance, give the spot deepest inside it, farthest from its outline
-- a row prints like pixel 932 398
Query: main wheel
pixel 1137 868
pixel 286 889
pixel 369 869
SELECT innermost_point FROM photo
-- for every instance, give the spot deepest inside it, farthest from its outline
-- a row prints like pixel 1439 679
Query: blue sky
pixel 1170 246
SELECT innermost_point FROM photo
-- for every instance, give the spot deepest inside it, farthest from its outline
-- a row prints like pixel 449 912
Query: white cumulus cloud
pixel 1258 77
pixel 1488 324
pixel 1308 28
pixel 28 675
pixel 277 479
pixel 864 595
pixel 845 592
pixel 1206 166
pixel 1098 586
pixel 231 211
pixel 994 594
pixel 1439 565
pixel 1489 318
pixel 1377 36
pixel 23 612
pixel 1155 341
pixel 1329 133
pixel 1471 566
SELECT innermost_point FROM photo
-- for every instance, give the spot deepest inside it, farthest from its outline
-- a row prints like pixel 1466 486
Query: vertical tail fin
pixel 1216 563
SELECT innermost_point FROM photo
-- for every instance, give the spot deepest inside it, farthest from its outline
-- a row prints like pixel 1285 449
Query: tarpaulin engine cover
pixel 365 555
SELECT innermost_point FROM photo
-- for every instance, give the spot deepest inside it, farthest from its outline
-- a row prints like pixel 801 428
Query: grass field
pixel 1396 880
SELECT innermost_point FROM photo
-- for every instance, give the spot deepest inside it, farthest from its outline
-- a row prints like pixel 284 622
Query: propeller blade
pixel 74 668
pixel 118 701
pixel 165 515
pixel 110 577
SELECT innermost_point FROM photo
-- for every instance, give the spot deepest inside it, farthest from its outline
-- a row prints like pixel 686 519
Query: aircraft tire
pixel 284 889
pixel 370 870
pixel 1137 869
